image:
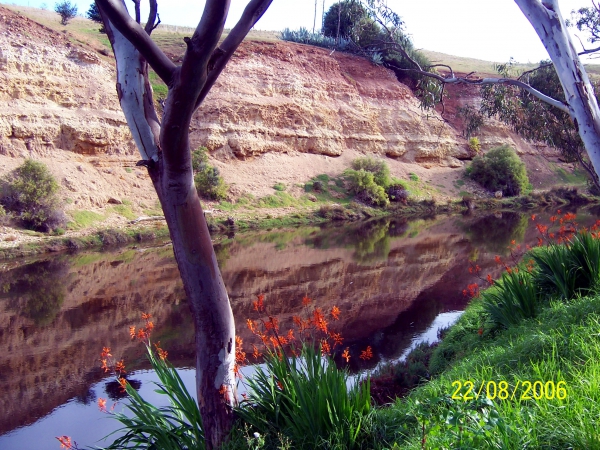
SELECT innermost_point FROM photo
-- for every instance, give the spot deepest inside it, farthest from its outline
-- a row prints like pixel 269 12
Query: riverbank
pixel 89 232
pixel 520 368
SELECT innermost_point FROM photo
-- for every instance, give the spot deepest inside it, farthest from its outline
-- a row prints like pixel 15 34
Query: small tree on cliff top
pixel 166 155
pixel 66 10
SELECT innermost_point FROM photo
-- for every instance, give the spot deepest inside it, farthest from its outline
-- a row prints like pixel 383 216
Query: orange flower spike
pixel 497 259
pixel 236 371
pixel 335 313
pixel 279 385
pixel 553 219
pixel 120 367
pixel 105 352
pixel 104 365
pixel 337 339
pixel 489 279
pixel 274 341
pixel 149 327
pixel 141 334
pixel 255 352
pixel 346 354
pixel 533 217
pixel 132 331
pixel 123 383
pixel 305 301
pixel 102 404
pixel 162 354
pixel 297 321
pixel 251 326
pixel 259 304
pixel 366 354
pixel 274 322
pixel 146 316
pixel 290 335
pixel 325 348
pixel 65 442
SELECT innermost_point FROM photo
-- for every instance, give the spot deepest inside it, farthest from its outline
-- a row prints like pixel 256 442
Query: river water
pixel 395 281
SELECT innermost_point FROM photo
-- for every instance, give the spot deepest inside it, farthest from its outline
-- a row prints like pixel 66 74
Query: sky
pixel 492 30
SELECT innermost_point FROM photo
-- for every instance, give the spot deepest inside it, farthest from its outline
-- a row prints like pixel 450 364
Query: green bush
pixel 30 194
pixel 474 145
pixel 308 399
pixel 500 169
pixel 208 181
pixel 362 183
pixel 378 167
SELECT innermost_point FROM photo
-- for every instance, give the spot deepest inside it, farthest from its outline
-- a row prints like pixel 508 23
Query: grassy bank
pixel 560 345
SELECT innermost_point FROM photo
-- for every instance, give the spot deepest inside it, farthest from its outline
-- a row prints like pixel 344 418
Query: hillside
pixel 280 112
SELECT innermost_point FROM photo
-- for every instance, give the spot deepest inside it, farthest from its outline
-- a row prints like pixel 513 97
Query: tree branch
pixel 151 24
pixel 117 13
pixel 481 81
pixel 138 16
pixel 253 12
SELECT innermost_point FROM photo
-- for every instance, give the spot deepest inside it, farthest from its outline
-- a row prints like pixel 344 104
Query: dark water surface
pixel 394 281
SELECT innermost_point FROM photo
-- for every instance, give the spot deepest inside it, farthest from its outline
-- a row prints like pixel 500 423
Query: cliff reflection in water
pixel 390 278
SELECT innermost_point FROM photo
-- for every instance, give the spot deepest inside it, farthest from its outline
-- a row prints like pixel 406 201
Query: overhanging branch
pixel 481 81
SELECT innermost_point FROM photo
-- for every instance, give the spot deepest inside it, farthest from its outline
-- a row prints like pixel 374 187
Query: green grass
pixel 558 345
pixel 84 219
pixel 158 86
pixel 577 176
pixel 125 211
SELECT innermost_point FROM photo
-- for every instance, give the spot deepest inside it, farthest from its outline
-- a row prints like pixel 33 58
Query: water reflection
pixel 391 278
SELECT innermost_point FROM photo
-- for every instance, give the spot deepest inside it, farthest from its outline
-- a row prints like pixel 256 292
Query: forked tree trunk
pixel 546 19
pixel 173 180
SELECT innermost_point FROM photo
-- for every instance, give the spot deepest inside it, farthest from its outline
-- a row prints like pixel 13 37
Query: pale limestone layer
pixel 286 97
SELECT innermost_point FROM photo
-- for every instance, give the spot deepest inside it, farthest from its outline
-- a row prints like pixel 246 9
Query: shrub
pixel 207 179
pixel 66 10
pixel 362 183
pixel 307 398
pixel 397 193
pixel 31 194
pixel 279 187
pixel 474 145
pixel 500 169
pixel 378 167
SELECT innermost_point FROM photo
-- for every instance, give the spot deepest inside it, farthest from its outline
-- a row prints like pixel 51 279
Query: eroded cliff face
pixel 284 111
pixel 284 97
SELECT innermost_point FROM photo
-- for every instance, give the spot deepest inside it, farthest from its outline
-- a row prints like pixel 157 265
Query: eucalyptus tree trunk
pixel 546 19
pixel 165 152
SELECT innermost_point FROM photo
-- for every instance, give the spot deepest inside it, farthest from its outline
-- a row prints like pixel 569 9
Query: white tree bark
pixel 546 19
